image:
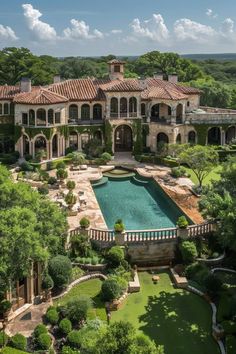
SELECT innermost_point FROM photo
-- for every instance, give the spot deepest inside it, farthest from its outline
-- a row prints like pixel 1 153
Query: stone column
pixel 33 149
pixel 118 107
pixel 79 143
pixel 48 150
pixel 173 115
pixel 222 140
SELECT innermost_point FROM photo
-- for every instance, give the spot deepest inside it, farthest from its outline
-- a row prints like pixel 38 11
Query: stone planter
pixel 120 238
pixel 182 233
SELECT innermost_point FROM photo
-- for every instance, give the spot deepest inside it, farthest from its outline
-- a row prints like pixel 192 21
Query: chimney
pixel 142 83
pixel 25 85
pixel 56 79
pixel 158 76
pixel 173 78
pixel 116 69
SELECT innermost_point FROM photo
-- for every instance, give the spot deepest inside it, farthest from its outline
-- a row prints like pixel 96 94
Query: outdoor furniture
pixel 155 279
pixel 83 167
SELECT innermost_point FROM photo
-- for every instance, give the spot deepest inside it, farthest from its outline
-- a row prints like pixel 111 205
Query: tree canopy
pixel 31 228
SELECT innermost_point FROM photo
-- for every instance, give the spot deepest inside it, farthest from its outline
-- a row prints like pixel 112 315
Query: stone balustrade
pixel 211 118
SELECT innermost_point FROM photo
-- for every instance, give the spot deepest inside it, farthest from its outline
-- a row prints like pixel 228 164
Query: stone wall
pixel 152 252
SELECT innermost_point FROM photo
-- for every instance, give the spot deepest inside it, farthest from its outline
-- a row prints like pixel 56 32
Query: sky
pixel 121 27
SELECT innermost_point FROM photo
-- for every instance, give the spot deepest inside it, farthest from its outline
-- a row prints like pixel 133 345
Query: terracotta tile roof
pixel 79 90
pixel 116 61
pixel 127 85
pixel 160 89
pixel 39 95
pixel 8 92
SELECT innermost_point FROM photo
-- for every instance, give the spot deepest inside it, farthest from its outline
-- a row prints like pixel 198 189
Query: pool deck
pixel 177 189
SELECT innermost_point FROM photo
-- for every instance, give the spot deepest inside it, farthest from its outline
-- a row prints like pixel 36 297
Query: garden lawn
pixel 177 319
pixel 89 288
pixel 213 175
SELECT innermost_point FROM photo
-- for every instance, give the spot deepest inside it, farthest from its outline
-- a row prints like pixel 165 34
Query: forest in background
pixel 216 78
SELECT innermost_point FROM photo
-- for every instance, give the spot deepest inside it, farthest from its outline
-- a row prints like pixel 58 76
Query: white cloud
pixel 80 30
pixel 41 30
pixel 7 33
pixel 227 27
pixel 186 29
pixel 116 31
pixel 210 13
pixel 154 29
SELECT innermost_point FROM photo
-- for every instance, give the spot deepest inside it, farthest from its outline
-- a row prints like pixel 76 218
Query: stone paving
pixel 28 320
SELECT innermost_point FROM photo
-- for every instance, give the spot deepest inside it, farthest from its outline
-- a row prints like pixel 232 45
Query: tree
pixel 70 200
pixel 115 256
pixel 188 251
pixel 219 203
pixel 201 160
pixel 60 269
pixel 77 158
pixel 110 290
pixel 70 185
pixel 61 174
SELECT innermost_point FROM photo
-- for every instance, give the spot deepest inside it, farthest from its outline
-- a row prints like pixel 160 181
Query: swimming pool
pixel 140 202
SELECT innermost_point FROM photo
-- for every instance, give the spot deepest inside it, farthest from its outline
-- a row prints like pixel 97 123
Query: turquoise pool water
pixel 140 203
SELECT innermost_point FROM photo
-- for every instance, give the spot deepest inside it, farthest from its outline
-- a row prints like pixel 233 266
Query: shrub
pixel 43 190
pixel 74 339
pixel 60 165
pixel 5 306
pixel 47 282
pixel 182 222
pixel 18 341
pixel 44 341
pixel 65 326
pixel 40 329
pixel 60 269
pixel 94 261
pixel 229 327
pixel 3 339
pixel 52 316
pixel 188 251
pixel 68 350
pixel 178 172
pixel 106 156
pixel 213 284
pixel 78 307
pixel 115 256
pixel 110 290
pixel 26 166
pixel 52 180
pixel 70 185
pixel 62 174
pixel 84 223
pixel 193 269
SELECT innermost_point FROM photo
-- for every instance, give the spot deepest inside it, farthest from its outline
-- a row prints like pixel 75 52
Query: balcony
pixel 161 120
pixel 123 115
pixel 85 122
pixel 211 118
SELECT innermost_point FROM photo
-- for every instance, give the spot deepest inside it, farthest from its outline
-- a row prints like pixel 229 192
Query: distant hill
pixel 218 57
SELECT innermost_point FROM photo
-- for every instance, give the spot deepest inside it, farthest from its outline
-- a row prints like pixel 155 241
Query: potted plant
pixel 84 224
pixel 5 308
pixel 70 200
pixel 119 229
pixel 182 224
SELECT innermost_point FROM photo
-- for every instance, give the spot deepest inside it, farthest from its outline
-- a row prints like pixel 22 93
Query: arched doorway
pixel 162 138
pixel 192 137
pixel 214 136
pixel 73 140
pixel 230 134
pixel 40 146
pixel 55 146
pixel 123 138
pixel 178 139
pixel 179 114
pixel 25 145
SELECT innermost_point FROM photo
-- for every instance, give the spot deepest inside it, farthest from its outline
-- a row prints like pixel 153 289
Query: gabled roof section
pixel 40 96
pixel 8 92
pixel 126 85
pixel 79 90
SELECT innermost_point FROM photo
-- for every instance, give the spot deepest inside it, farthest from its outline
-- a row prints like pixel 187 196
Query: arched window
pixel 24 118
pixel 155 112
pixel 6 108
pixel 98 135
pixel 0 109
pixel 40 146
pixel 41 117
pixel 58 117
pixel 73 140
pixel 97 112
pixel 73 112
pixel 55 151
pixel 192 137
pixel 114 107
pixel 50 116
pixel 31 117
pixel 178 139
pixel 179 114
pixel 230 134
pixel 143 109
pixel 123 107
pixel 133 107
pixel 85 112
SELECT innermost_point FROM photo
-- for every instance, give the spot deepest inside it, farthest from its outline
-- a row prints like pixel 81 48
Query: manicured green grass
pixel 175 318
pixel 89 288
pixel 9 350
pixel 213 175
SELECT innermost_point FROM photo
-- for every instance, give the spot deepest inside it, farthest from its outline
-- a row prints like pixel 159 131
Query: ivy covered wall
pixel 202 131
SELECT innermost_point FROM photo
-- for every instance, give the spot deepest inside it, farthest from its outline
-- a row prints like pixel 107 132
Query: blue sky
pixel 122 27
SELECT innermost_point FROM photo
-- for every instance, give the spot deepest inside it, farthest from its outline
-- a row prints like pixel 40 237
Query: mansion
pixel 66 114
